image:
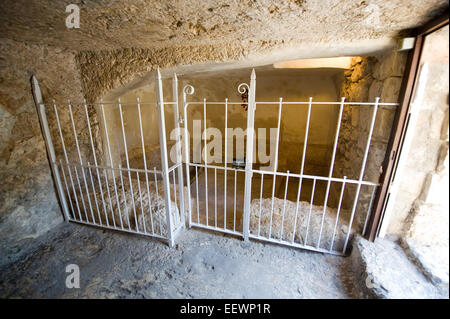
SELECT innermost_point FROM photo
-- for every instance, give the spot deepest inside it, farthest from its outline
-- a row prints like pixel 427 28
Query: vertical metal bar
pixel 260 204
pixel 196 193
pixel 234 220
pixel 225 168
pixel 176 119
pixel 361 174
pixel 96 164
pixel 88 194
pixel 310 210
pixel 271 209
pixel 275 164
pixel 95 196
pixel 186 152
pixel 249 155
pixel 145 167
pixel 140 198
pixel 337 213
pixel 174 187
pixel 300 181
pixel 336 138
pixel 81 161
pixel 368 210
pixel 206 161
pixel 81 194
pixel 215 196
pixel 157 201
pixel 164 159
pixel 284 206
pixel 75 194
pixel 112 166
pixel 67 188
pixel 49 144
pixel 124 197
pixel 128 164
pixel 109 197
pixel 67 159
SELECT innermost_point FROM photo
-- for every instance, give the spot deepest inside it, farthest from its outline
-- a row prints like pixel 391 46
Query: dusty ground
pixel 116 265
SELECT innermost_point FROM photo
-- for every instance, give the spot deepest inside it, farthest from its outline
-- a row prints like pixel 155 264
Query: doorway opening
pixel 292 157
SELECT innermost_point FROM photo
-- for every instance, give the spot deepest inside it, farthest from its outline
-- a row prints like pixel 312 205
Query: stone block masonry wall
pixel 28 202
pixel 421 207
pixel 368 78
pixel 426 206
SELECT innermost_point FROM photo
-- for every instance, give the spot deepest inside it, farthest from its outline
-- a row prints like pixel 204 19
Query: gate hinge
pixel 393 154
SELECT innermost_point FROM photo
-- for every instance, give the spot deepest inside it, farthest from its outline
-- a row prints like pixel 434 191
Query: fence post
pixel 49 144
pixel 249 155
pixel 164 158
pixel 176 119
pixel 188 89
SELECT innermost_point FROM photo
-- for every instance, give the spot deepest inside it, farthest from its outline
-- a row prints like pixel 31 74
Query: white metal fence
pixel 97 187
pixel 273 219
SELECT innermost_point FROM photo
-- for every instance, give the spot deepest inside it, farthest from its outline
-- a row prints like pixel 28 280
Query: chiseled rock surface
pixel 28 203
pixel 384 270
pixel 123 41
pixel 139 23
pixel 431 259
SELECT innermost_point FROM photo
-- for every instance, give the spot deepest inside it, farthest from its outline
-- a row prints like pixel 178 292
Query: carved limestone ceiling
pixel 114 24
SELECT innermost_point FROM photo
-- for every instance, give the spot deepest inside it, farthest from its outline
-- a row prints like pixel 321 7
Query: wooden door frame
pixel 401 119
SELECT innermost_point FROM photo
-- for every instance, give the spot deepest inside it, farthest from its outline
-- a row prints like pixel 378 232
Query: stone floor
pixel 202 265
pixel 431 259
pixel 386 270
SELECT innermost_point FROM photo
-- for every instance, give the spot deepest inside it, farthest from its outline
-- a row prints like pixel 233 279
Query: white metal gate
pixel 231 221
pixel 273 225
pixel 102 184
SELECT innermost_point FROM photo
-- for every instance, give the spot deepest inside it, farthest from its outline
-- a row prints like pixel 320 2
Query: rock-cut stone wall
pixel 28 202
pixel 368 78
